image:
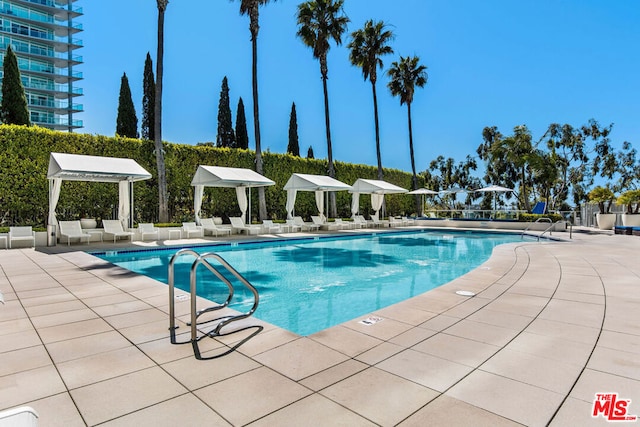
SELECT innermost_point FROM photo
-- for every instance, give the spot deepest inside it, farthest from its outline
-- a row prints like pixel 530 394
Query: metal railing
pixel 218 323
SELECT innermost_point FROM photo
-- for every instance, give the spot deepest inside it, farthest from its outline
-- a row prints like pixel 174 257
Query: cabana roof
pixel 373 186
pixel 78 167
pixel 219 176
pixel 306 182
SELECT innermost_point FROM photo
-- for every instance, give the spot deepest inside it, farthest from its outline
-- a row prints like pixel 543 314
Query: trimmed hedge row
pixel 24 160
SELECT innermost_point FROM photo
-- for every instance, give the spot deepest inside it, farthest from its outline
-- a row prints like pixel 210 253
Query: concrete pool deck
pixel 552 324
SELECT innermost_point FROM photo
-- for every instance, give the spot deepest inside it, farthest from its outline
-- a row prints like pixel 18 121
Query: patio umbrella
pixel 422 192
pixel 494 189
pixel 455 191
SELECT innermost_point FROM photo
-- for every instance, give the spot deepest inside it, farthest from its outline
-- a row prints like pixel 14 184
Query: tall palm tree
pixel 250 7
pixel 406 75
pixel 367 46
pixel 163 202
pixel 320 21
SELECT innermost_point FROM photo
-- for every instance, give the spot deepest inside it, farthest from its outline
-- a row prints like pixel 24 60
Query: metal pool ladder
pixel 219 322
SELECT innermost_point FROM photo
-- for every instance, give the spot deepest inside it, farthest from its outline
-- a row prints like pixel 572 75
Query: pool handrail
pixel 223 320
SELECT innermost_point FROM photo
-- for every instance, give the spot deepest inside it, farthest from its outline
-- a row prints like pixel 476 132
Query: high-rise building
pixel 42 35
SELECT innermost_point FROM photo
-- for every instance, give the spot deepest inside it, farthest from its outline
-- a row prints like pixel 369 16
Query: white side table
pixel 171 231
pixel 94 233
pixel 5 238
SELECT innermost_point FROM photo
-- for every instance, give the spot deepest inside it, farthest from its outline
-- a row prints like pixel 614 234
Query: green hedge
pixel 24 160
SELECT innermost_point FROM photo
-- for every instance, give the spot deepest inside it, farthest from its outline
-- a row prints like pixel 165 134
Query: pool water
pixel 308 285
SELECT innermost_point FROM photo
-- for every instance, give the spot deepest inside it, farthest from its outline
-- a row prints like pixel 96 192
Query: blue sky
pixel 490 63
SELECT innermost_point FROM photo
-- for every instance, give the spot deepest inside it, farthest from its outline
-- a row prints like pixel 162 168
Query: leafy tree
pixel 127 121
pixel 148 100
pixel 242 137
pixel 250 7
pixel 163 199
pixel 310 153
pixel 293 147
pixel 319 22
pixel 406 75
pixel 516 151
pixel 226 137
pixel 13 108
pixel 367 46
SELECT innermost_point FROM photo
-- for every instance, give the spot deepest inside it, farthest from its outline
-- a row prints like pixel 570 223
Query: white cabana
pixel 376 188
pixel 422 192
pixel 317 183
pixel 78 167
pixel 219 176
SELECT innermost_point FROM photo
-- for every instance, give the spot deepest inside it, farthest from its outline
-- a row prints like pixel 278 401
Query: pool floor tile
pixel 58 410
pixel 430 371
pixel 136 390
pixel 300 358
pixel 21 387
pixel 184 411
pixel 316 410
pixel 195 374
pixel 380 396
pixel 333 374
pixel 345 340
pixel 455 349
pixel 102 366
pixel 523 403
pixel 447 411
pixel 251 395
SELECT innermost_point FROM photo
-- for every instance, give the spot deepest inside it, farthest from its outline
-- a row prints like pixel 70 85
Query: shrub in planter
pixel 604 197
pixel 632 216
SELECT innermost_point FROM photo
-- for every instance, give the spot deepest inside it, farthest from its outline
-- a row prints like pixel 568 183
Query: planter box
pixel 606 221
pixel 631 220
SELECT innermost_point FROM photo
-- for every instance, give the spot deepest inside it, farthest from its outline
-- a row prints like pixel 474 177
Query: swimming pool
pixel 307 285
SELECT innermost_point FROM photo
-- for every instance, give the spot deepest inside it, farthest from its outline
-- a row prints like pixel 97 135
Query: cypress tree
pixel 127 122
pixel 293 147
pixel 13 109
pixel 226 136
pixel 310 153
pixel 242 137
pixel 148 100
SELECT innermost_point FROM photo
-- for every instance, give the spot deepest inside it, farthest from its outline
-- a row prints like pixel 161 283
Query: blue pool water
pixel 309 285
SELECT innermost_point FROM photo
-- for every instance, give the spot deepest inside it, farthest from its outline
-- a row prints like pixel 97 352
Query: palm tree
pixel 320 21
pixel 163 202
pixel 406 75
pixel 250 7
pixel 367 46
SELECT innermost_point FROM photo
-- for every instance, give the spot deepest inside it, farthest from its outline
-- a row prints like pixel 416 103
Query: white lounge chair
pixel 22 234
pixel 72 230
pixel 345 224
pixel 324 225
pixel 359 221
pixel 379 222
pixel 148 229
pixel 191 228
pixel 396 222
pixel 113 227
pixel 270 227
pixel 305 226
pixel 209 226
pixel 238 224
pixel 293 227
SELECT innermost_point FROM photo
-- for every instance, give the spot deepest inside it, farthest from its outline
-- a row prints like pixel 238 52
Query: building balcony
pixel 57 90
pixel 59 26
pixel 57 123
pixel 59 43
pixel 58 107
pixel 58 59
pixel 59 8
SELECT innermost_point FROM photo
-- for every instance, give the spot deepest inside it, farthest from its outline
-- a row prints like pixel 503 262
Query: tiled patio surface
pixel 552 324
